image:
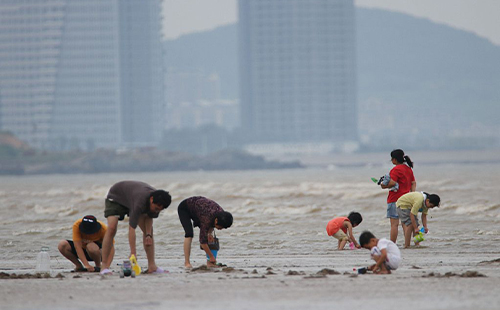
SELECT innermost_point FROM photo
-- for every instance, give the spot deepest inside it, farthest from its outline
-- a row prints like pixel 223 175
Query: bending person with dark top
pixel 207 215
pixel 141 202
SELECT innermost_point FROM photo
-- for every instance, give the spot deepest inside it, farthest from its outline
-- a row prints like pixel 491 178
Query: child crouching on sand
pixel 384 252
pixel 341 229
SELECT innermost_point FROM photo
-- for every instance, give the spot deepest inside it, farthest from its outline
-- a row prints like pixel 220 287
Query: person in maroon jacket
pixel 206 214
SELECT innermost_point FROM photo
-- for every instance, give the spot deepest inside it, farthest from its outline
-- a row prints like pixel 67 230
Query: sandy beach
pixel 277 249
pixel 430 278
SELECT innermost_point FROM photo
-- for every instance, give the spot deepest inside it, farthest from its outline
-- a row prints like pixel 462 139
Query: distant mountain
pixel 422 65
pixel 210 51
pixel 421 74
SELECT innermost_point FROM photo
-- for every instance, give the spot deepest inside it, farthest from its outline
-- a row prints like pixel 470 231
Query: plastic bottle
pixel 43 260
pixel 135 266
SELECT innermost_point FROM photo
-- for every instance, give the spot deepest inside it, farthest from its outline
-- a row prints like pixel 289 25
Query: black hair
pixel 224 219
pixel 365 238
pixel 434 199
pixel 401 158
pixel 355 218
pixel 162 198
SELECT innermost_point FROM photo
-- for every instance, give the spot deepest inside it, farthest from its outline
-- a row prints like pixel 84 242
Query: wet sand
pixel 429 278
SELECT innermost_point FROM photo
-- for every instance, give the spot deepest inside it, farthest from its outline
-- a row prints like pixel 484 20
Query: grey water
pixel 276 212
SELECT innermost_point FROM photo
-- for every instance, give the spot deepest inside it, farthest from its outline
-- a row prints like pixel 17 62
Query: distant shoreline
pixel 375 159
pixel 109 161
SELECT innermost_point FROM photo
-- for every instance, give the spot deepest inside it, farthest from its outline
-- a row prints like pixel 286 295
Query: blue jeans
pixel 392 211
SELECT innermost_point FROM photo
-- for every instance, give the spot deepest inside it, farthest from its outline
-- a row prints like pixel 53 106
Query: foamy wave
pixel 475 208
pixel 494 207
pixel 271 190
pixel 202 187
pixel 174 186
pixel 39 209
pixel 292 210
pixel 489 233
pixel 355 195
pixel 265 224
pixel 242 233
pixel 440 186
pixel 92 193
pixel 52 192
pixel 38 231
pixel 68 212
pixel 250 202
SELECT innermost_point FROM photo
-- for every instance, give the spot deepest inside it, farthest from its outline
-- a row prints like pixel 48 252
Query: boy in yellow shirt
pixel 408 207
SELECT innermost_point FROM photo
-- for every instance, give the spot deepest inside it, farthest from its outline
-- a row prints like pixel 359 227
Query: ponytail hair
pixel 408 161
pixel 401 158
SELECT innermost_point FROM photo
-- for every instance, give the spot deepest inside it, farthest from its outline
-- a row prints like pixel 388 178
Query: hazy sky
pixel 478 16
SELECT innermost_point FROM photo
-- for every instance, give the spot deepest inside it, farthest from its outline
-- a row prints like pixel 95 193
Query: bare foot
pixel 188 266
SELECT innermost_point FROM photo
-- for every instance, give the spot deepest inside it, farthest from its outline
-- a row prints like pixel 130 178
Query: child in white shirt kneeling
pixel 384 252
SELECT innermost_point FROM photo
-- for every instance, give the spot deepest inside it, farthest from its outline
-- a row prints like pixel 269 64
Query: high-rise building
pixel 193 99
pixel 297 68
pixel 81 74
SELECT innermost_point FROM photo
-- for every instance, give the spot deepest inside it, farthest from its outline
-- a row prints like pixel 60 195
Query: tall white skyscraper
pixel 81 74
pixel 297 68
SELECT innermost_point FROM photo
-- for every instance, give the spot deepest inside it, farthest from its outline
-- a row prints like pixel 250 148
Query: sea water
pixel 277 213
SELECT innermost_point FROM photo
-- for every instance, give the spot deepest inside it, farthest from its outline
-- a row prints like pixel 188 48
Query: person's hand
pixel 357 246
pixel 211 264
pixel 416 230
pixel 426 230
pixel 371 267
pixel 148 240
pixel 210 239
pixel 90 268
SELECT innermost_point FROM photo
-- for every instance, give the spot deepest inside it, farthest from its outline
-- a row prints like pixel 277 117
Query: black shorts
pixel 73 250
pixel 185 218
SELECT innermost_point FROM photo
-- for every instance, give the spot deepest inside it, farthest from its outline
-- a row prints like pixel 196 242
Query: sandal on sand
pixel 97 269
pixel 106 272
pixel 79 270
